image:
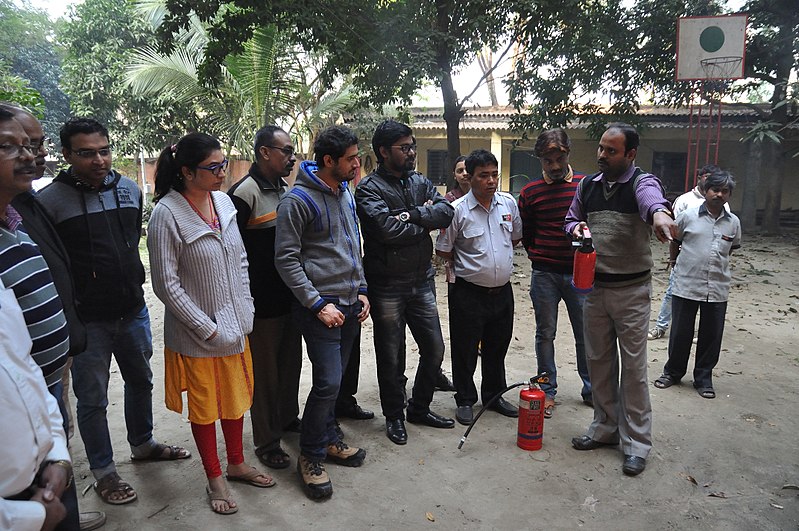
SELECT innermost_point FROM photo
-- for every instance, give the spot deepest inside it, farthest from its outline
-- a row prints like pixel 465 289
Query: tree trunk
pixel 751 184
pixel 452 108
pixel 452 117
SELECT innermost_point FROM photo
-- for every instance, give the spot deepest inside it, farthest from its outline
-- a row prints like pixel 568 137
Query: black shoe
pixel 431 419
pixel 633 465
pixel 584 442
pixel 356 412
pixel 588 401
pixel 465 415
pixel 395 430
pixel 503 407
pixel 294 426
pixel 443 383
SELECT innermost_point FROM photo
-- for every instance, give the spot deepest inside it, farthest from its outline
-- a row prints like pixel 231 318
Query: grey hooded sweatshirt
pixel 318 245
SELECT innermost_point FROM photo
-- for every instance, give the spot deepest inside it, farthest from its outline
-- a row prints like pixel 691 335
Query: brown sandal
pixel 250 477
pixel 157 453
pixel 220 496
pixel 549 407
pixel 111 484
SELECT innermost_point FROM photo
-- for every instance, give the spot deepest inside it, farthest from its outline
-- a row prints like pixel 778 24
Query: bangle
pixel 66 465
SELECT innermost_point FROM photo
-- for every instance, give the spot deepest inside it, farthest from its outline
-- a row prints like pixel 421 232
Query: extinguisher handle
pixel 586 233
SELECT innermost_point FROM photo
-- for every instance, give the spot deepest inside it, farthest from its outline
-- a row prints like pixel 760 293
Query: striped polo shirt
pixel 23 270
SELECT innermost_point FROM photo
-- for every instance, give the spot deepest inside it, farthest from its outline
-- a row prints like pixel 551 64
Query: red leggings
pixel 205 437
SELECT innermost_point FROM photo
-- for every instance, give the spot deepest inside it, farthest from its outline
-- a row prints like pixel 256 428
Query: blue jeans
pixel 664 317
pixel 392 308
pixel 547 290
pixel 329 350
pixel 130 341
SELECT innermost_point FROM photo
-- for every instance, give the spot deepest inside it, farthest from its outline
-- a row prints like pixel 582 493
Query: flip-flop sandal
pixel 220 496
pixel 706 392
pixel 111 484
pixel 276 458
pixel 664 381
pixel 157 454
pixel 250 476
pixel 549 408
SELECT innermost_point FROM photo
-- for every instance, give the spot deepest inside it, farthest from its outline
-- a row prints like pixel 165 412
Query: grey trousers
pixel 276 347
pixel 615 326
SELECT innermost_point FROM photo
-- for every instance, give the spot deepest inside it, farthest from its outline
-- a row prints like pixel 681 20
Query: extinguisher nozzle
pixel 460 444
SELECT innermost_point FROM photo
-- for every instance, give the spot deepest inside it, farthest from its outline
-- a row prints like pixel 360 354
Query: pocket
pixel 228 331
pixel 473 234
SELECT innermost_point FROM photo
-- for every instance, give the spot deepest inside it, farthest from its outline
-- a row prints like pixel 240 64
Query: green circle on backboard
pixel 711 39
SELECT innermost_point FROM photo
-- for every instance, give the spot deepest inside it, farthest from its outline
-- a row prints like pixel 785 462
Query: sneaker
pixel 342 454
pixel 91 520
pixel 656 333
pixel 314 478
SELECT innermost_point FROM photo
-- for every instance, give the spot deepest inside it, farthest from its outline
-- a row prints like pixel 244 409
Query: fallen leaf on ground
pixel 430 516
pixel 421 461
pixel 735 372
pixel 790 486
pixel 777 506
pixel 590 503
pixel 689 478
pixel 717 494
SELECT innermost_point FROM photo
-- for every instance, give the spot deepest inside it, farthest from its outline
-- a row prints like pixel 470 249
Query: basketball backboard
pixel 711 47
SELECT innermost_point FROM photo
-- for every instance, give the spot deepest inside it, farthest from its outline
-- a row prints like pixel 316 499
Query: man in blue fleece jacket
pixel 318 256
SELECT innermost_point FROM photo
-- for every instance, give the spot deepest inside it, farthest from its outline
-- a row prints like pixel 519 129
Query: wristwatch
pixel 405 216
pixel 665 211
pixel 66 465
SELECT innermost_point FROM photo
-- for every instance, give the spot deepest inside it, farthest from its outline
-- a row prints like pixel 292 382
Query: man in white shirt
pixel 485 228
pixel 35 467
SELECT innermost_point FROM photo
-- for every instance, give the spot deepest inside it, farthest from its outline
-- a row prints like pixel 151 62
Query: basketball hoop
pixel 721 68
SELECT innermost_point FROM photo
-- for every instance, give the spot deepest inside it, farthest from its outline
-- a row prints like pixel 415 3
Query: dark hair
pixel 462 158
pixel 5 115
pixel 12 107
pixel 707 169
pixel 264 137
pixel 631 138
pixel 720 179
pixel 190 151
pixel 552 140
pixel 77 126
pixel 386 133
pixel 479 157
pixel 333 141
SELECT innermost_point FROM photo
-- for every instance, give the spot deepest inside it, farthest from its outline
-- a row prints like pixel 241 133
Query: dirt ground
pixel 728 463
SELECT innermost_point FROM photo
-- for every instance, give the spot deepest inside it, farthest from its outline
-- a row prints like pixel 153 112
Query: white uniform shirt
pixel 32 425
pixel 482 240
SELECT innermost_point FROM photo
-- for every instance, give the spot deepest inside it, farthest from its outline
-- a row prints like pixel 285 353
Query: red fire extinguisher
pixel 530 435
pixel 584 264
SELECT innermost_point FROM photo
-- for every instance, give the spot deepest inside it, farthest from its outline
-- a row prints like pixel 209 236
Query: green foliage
pixel 17 90
pixel 100 39
pixel 30 64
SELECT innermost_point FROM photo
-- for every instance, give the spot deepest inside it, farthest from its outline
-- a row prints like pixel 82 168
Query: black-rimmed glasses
pixel 91 153
pixel 288 151
pixel 216 169
pixel 406 148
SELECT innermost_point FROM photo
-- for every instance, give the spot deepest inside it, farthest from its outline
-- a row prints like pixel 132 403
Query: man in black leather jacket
pixel 398 207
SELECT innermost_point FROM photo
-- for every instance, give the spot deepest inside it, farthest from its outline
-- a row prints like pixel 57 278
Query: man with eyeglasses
pixel 398 207
pixel 24 272
pixel 98 215
pixel 275 341
pixel 39 227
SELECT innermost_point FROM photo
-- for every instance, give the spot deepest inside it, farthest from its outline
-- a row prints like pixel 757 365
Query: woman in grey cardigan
pixel 199 271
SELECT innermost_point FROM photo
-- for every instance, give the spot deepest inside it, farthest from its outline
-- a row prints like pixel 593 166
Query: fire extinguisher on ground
pixel 531 413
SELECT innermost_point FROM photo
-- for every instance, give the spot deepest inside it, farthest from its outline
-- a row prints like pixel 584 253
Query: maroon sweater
pixel 543 208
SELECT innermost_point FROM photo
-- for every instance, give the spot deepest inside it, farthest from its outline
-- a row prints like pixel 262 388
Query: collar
pixel 12 219
pixel 263 182
pixel 703 211
pixel 472 202
pixel 568 178
pixel 189 223
pixel 626 176
pixel 381 170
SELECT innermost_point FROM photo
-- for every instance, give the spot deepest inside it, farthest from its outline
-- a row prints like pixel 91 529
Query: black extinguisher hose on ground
pixel 535 379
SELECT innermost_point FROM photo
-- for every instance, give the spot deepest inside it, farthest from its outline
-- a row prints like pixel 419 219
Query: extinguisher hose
pixel 488 406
